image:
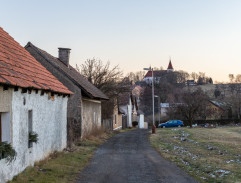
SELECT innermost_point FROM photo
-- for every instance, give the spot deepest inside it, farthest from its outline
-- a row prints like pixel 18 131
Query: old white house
pixel 84 106
pixel 32 101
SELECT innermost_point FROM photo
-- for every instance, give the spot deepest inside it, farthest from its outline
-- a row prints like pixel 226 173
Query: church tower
pixel 170 68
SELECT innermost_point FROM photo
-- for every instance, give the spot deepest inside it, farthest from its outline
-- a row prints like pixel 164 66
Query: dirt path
pixel 128 158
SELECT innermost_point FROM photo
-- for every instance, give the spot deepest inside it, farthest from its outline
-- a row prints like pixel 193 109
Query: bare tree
pixel 99 74
pixel 182 76
pixel 238 78
pixel 231 78
pixel 108 79
pixel 137 76
pixel 194 105
pixel 234 99
pixel 194 76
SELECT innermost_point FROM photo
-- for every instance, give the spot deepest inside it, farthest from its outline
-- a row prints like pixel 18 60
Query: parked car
pixel 171 123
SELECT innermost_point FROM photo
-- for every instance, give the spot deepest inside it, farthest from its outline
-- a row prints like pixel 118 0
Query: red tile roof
pixel 155 73
pixel 19 68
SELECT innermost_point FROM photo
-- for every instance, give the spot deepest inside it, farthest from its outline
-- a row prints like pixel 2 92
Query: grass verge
pixel 63 167
pixel 208 154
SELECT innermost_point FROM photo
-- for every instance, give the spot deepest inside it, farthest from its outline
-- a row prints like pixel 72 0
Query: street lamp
pixel 153 117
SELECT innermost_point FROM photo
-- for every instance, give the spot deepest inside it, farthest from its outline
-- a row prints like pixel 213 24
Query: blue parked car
pixel 171 123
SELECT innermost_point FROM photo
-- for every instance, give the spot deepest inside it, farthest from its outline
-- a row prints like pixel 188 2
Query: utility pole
pixel 153 103
pixel 159 109
pixel 153 106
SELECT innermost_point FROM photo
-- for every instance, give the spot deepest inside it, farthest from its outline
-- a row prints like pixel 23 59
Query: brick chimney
pixel 64 54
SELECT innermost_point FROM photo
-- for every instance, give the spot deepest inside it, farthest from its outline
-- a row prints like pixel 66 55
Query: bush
pixel 33 137
pixel 6 151
pixel 135 123
pixel 95 131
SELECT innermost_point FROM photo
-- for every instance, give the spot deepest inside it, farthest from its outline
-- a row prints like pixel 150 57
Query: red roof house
pixel 24 112
pixel 158 74
pixel 19 68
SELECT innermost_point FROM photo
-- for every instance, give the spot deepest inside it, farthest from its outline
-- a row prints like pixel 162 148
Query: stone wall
pixel 49 121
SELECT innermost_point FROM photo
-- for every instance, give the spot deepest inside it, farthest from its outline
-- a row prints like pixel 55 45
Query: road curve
pixel 128 158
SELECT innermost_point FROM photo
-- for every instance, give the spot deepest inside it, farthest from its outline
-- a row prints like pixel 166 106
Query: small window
pixel 5 127
pixel 30 126
pixel 115 118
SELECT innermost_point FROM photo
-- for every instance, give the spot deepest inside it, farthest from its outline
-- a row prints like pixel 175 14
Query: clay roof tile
pixel 19 68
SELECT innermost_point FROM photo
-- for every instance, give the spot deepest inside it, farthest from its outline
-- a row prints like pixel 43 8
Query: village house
pixel 128 106
pixel 117 117
pixel 217 110
pixel 84 106
pixel 158 74
pixel 33 109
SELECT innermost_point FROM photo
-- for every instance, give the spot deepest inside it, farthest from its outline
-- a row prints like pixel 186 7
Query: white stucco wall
pixel 129 116
pixel 49 122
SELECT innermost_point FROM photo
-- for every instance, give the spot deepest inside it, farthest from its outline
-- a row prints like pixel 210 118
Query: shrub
pixel 33 137
pixel 6 151
pixel 95 131
pixel 135 123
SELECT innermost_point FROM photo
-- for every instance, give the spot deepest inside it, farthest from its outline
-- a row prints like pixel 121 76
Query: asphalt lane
pixel 129 158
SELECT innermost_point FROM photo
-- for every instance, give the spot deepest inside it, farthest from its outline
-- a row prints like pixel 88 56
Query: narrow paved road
pixel 128 158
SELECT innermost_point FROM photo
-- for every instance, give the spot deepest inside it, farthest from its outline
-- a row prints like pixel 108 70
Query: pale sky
pixel 199 35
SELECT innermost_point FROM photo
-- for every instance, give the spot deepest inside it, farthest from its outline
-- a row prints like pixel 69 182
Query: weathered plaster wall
pixel 74 102
pixel 5 100
pixel 49 122
pixel 91 115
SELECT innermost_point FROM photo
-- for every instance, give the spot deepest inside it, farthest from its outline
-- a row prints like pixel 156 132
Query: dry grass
pixel 64 167
pixel 97 132
pixel 210 155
